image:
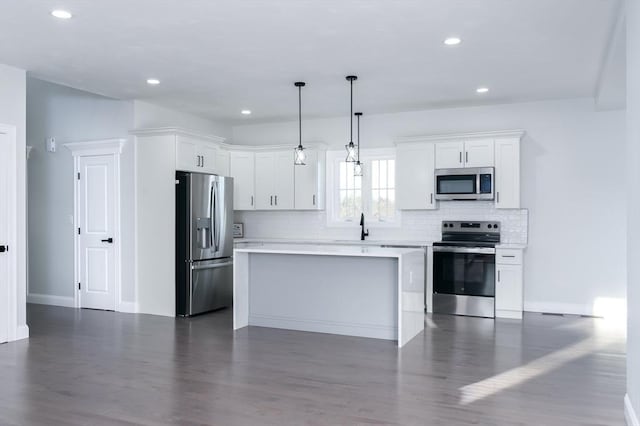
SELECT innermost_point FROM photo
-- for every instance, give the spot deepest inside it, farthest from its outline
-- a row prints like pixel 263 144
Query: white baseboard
pixel 48 299
pixel 558 308
pixel 22 332
pixel 630 413
pixel 321 326
pixel 128 307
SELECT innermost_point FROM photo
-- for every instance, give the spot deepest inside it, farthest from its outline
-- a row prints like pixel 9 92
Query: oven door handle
pixel 472 250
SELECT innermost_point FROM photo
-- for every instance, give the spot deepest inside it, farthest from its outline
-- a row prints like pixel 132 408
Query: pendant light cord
pixel 351 115
pixel 300 114
pixel 358 139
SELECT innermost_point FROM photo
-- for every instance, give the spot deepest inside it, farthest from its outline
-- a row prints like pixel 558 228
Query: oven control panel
pixel 461 226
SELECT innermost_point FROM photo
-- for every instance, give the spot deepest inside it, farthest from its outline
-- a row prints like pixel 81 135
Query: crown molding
pixel 162 131
pixel 261 148
pixel 457 136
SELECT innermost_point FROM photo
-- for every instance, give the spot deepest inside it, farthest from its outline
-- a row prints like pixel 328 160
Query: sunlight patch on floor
pixel 516 376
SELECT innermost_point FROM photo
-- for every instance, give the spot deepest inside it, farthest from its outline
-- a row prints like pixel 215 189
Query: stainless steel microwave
pixel 465 184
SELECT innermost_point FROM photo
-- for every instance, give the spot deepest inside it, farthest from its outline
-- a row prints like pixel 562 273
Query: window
pixel 350 192
pixel 383 191
pixel 372 194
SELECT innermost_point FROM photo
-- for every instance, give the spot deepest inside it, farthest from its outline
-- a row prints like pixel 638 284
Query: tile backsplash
pixel 414 226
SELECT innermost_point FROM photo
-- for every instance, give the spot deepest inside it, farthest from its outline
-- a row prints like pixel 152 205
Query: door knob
pixel 108 240
pixel 4 248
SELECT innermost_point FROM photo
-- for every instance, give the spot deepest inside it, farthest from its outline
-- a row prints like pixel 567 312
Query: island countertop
pixel 326 250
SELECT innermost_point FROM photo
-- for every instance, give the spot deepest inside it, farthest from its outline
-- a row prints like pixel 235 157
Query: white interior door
pixel 97 223
pixel 5 157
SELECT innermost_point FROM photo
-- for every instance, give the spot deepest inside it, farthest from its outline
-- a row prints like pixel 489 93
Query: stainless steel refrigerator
pixel 204 243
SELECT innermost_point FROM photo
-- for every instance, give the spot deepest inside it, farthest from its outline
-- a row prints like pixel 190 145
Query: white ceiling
pixel 216 57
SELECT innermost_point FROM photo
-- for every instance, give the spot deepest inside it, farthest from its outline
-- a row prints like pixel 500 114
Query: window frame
pixel 334 157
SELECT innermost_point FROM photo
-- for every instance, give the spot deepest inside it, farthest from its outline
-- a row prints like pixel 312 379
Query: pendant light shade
pixel 357 170
pixel 351 147
pixel 299 156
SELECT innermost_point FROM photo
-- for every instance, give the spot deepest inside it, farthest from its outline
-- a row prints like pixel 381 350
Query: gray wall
pixel 69 115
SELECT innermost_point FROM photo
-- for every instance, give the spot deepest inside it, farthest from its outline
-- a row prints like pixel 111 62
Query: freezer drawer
pixel 210 286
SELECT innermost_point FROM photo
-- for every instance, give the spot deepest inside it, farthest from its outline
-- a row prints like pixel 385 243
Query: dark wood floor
pixel 103 368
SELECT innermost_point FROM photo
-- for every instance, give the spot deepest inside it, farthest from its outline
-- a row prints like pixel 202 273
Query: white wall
pixel 69 115
pixel 13 112
pixel 572 184
pixel 148 115
pixel 632 404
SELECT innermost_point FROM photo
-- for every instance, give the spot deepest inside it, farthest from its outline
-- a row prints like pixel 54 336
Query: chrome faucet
pixel 363 234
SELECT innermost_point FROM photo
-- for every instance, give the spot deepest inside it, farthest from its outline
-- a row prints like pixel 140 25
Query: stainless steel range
pixel 464 267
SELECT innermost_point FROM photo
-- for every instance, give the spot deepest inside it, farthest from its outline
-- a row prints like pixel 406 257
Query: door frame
pixel 11 292
pixel 78 150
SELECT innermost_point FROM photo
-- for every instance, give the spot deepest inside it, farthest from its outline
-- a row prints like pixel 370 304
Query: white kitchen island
pixel 375 292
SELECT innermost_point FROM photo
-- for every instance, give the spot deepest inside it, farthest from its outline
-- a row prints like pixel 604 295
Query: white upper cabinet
pixel 419 156
pixel 309 182
pixel 274 177
pixel 186 157
pixel 208 158
pixel 478 153
pixel 507 174
pixel 415 166
pixel 194 155
pixel 284 188
pixel 449 155
pixel 467 153
pixel 241 169
pixel 222 162
pixel 265 180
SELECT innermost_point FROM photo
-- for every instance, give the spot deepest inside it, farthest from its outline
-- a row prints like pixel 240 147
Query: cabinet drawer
pixel 509 257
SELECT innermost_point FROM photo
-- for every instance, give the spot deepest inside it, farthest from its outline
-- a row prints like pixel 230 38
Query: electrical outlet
pixel 50 144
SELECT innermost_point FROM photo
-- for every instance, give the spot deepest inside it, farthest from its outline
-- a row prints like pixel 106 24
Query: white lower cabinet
pixel 415 187
pixel 509 284
pixel 274 180
pixel 241 169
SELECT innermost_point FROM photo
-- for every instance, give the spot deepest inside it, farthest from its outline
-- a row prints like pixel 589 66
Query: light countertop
pixel 326 250
pixel 242 242
pixel 378 243
pixel 511 246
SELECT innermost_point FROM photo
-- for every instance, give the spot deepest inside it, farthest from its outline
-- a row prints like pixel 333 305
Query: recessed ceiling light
pixel 482 89
pixel 62 14
pixel 245 112
pixel 452 41
pixel 153 81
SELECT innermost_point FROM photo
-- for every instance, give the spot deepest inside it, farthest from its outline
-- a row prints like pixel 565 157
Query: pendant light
pixel 299 156
pixel 357 170
pixel 351 148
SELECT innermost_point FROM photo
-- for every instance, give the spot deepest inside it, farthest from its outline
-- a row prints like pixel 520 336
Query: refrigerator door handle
pixel 216 218
pixel 211 266
pixel 211 217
